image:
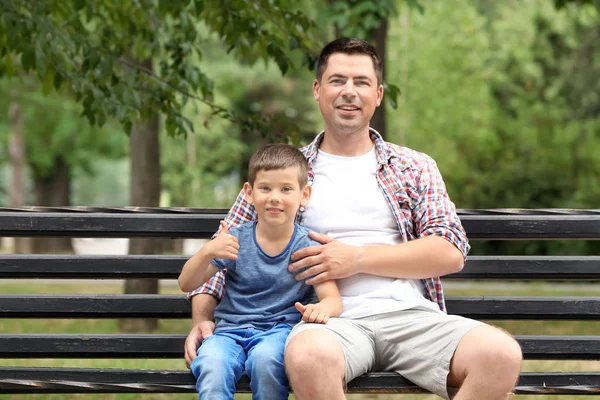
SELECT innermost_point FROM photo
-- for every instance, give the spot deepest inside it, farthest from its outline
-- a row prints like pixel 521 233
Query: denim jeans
pixel 225 355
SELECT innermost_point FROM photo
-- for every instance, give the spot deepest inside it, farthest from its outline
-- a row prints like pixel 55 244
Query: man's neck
pixel 347 144
pixel 273 239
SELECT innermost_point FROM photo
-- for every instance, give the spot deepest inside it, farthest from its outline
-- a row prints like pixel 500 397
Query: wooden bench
pixel 201 223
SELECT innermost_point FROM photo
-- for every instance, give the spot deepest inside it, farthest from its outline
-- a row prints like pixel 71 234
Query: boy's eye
pixel 264 188
pixel 287 189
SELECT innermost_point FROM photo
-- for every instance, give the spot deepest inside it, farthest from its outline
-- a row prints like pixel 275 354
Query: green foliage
pixel 504 96
pixel 53 129
pixel 129 60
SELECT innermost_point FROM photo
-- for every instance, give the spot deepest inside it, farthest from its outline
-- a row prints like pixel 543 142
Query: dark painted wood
pixel 171 346
pixel 177 306
pixel 511 227
pixel 497 227
pixel 85 380
pixel 530 267
pixel 480 224
pixel 49 266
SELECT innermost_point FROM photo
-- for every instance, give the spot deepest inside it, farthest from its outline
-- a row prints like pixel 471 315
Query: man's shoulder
pixel 408 158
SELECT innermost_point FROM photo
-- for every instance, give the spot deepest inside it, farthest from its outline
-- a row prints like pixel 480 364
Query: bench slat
pixel 14 266
pixel 177 306
pixel 73 224
pixel 85 380
pixel 171 346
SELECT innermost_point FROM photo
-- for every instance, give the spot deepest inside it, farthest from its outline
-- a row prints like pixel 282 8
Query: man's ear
pixel 248 192
pixel 306 195
pixel 379 95
pixel 316 87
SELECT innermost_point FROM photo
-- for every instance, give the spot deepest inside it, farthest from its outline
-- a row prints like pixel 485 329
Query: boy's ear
pixel 306 195
pixel 248 192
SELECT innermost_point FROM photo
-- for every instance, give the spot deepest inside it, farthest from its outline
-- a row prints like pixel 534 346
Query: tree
pixel 56 144
pixel 84 47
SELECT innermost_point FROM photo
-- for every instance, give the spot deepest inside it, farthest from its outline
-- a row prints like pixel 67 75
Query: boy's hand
pixel 224 245
pixel 312 313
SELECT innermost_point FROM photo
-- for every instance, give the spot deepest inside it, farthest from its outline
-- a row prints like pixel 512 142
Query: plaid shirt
pixel 415 191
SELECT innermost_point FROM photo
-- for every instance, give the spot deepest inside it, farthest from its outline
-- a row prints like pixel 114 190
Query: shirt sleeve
pixel 435 213
pixel 241 212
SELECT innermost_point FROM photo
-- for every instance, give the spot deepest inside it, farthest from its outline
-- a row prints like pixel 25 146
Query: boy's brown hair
pixel 278 156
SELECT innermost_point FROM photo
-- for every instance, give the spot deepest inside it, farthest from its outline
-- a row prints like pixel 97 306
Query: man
pixel 388 230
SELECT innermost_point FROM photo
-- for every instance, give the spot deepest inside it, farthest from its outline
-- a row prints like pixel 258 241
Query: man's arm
pixel 203 309
pixel 440 248
pixel 418 259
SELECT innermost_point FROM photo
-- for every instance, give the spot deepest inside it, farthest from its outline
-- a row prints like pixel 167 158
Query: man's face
pixel 348 93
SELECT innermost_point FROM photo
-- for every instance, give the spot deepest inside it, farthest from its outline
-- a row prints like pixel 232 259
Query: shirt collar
pixel 381 149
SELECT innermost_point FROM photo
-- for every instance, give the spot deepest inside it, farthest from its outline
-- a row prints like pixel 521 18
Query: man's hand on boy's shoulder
pixel 224 245
pixel 332 260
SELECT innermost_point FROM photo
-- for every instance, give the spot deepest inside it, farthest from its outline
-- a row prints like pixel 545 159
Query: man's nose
pixel 349 90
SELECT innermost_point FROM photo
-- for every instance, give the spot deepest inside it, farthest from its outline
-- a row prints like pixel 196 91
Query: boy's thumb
pixel 224 227
pixel 300 307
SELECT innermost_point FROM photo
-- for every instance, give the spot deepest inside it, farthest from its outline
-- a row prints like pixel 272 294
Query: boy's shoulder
pixel 242 229
pixel 302 237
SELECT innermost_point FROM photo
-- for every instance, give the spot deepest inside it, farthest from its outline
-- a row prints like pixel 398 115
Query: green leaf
pixel 392 92
pixel 58 79
pixel 48 82
pixel 28 59
pixel 294 43
pixel 40 61
pixel 415 4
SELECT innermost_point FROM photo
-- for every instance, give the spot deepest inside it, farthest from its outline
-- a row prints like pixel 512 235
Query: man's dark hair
pixel 350 46
pixel 278 156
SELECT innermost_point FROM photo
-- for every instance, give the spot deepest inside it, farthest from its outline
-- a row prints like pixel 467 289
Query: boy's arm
pixel 329 305
pixel 211 270
pixel 224 246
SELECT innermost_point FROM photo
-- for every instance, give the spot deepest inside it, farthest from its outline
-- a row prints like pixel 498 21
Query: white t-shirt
pixel 347 204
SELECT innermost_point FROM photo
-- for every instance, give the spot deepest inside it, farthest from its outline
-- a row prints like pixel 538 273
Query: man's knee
pixel 311 352
pixel 488 350
pixel 502 351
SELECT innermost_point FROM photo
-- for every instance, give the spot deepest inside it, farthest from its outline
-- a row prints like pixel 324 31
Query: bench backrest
pixel 194 223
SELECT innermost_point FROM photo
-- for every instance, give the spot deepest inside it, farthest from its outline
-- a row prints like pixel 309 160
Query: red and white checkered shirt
pixel 415 191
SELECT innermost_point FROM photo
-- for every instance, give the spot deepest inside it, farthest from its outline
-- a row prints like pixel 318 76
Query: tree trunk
pixel 53 191
pixel 379 36
pixel 145 192
pixel 18 166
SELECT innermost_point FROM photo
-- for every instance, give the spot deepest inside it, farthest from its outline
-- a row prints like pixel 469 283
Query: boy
pixel 263 300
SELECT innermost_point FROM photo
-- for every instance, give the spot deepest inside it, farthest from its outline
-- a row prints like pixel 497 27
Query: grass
pixel 74 326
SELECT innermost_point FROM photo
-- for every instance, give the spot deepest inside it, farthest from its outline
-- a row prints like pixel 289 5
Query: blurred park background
pixel 160 103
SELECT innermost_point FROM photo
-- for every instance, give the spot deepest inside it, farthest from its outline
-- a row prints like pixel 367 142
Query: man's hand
pixel 312 313
pixel 332 260
pixel 198 333
pixel 224 245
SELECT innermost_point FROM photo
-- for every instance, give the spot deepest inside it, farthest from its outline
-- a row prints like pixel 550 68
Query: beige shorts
pixel 417 343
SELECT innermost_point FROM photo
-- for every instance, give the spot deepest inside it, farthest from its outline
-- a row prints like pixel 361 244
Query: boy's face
pixel 277 195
